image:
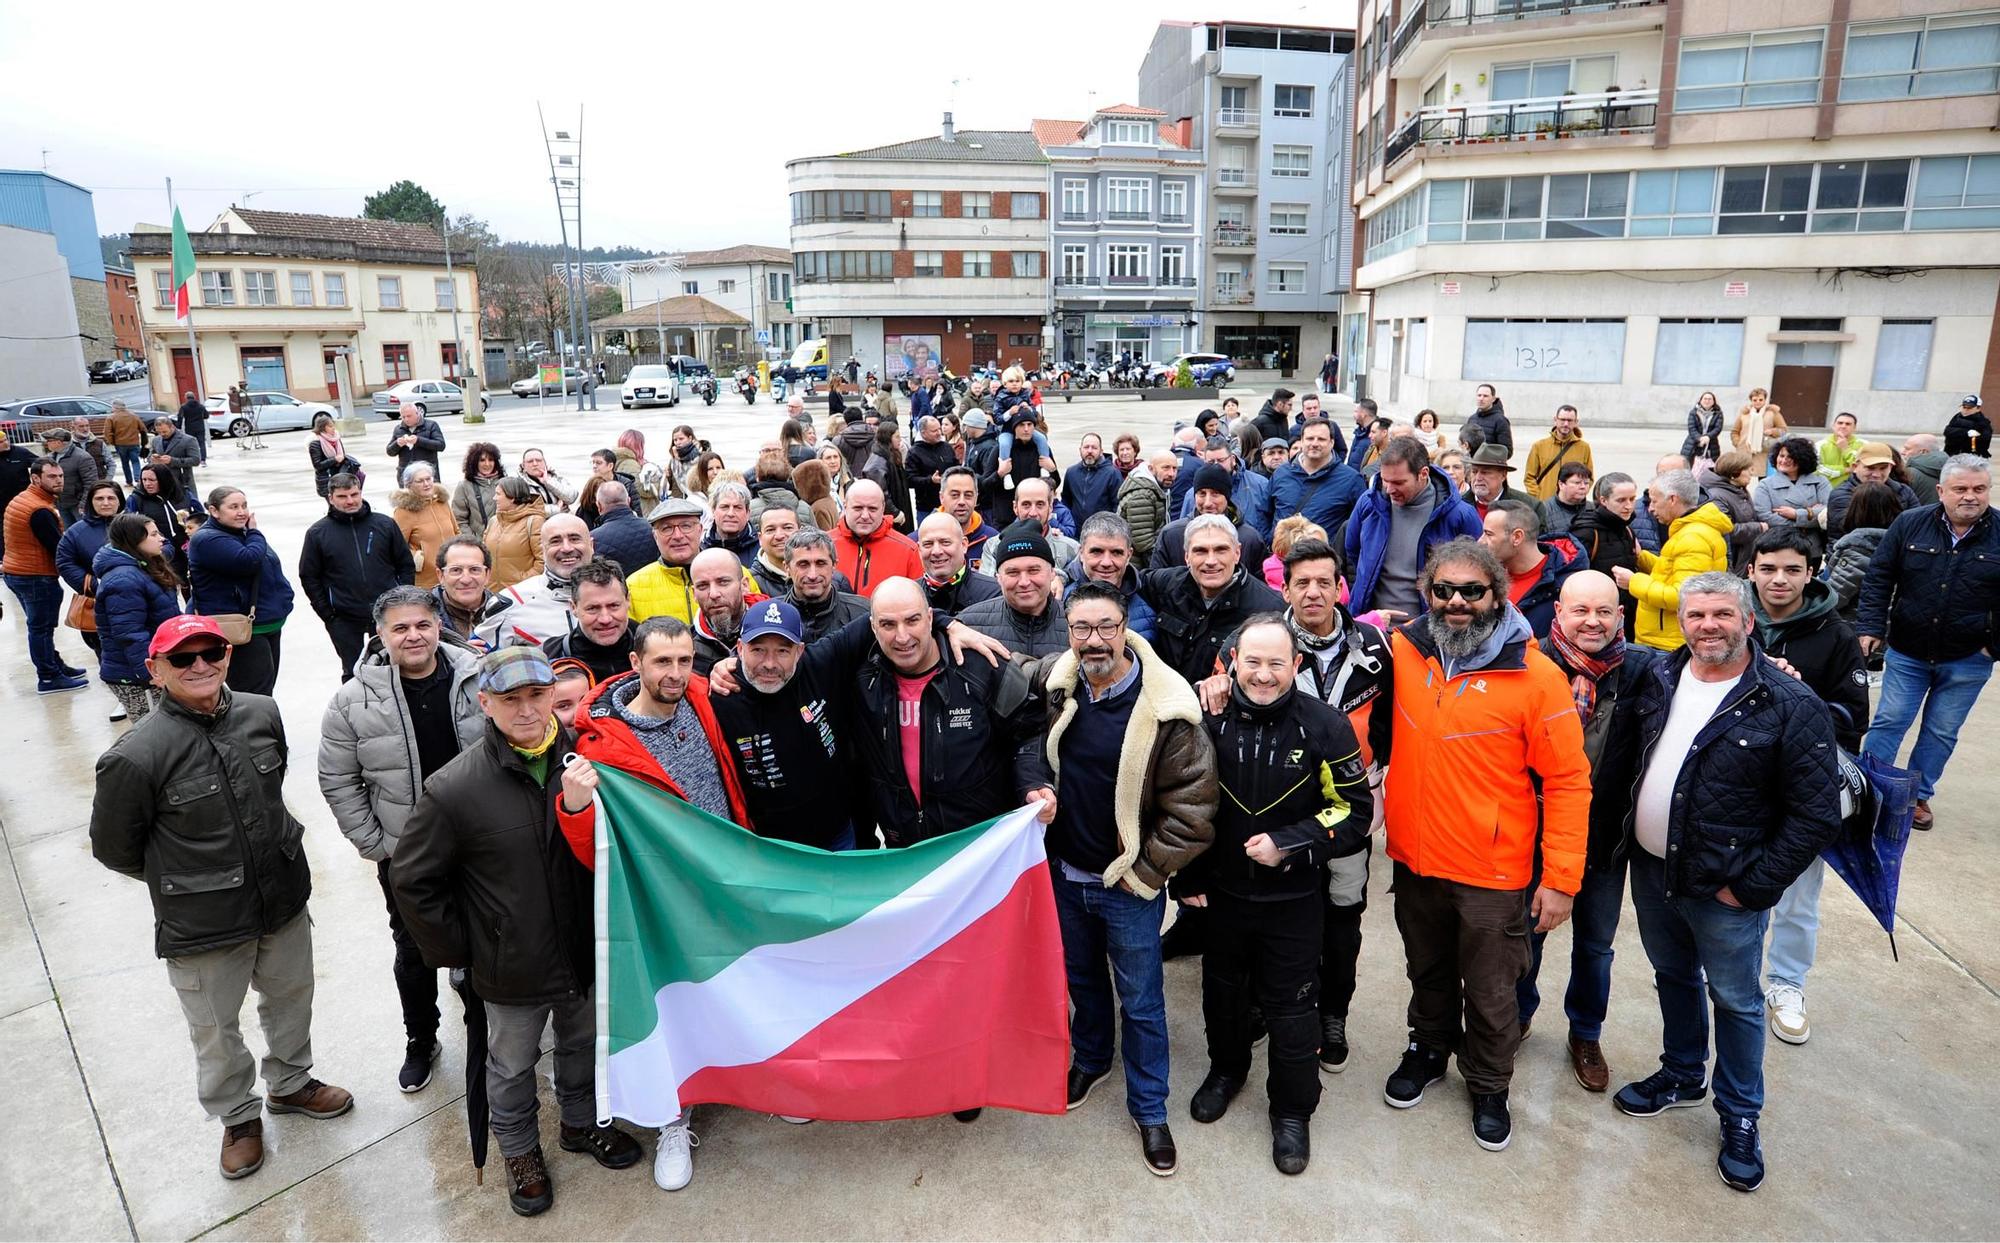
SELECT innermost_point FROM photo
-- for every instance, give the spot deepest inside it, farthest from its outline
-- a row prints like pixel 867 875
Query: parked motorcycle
pixel 705 388
pixel 746 384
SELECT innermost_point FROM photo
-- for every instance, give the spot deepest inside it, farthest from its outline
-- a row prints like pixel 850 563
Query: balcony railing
pixel 1125 282
pixel 1476 12
pixel 1076 217
pixel 1235 235
pixel 1516 120
pixel 1173 217
pixel 1128 215
pixel 1406 36
pixel 1236 118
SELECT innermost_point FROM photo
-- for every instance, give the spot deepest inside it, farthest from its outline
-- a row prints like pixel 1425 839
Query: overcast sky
pixel 690 110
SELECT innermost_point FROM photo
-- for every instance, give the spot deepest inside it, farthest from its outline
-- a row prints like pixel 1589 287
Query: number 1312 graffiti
pixel 1545 359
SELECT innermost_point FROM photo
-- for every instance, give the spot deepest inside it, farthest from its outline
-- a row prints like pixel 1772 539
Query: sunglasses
pixel 185 660
pixel 1471 593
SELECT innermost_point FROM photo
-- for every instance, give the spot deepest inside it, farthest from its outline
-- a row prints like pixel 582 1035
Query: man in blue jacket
pixel 1248 490
pixel 1406 512
pixel 1315 483
pixel 1104 555
pixel 1365 414
pixel 1091 486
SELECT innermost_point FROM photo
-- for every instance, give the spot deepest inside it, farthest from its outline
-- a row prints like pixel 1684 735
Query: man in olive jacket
pixel 192 802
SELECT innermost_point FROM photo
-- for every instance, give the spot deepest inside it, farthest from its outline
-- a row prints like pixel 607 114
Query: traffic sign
pixel 763 336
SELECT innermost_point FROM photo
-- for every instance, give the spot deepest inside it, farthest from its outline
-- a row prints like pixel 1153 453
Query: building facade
pixel 1622 204
pixel 121 296
pixel 1125 253
pixel 1260 97
pixel 925 253
pixel 65 210
pixel 279 295
pixel 752 283
pixel 41 354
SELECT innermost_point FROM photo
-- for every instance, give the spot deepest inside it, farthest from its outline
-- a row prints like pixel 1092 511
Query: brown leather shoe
pixel 1586 1058
pixel 1921 817
pixel 314 1100
pixel 243 1148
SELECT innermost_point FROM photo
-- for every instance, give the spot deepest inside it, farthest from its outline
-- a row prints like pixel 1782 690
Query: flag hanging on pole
pixel 183 269
pixel 860 986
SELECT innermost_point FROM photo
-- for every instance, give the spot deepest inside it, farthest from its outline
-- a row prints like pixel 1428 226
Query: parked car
pixel 688 365
pixel 22 420
pixel 533 348
pixel 114 371
pixel 572 382
pixel 1215 369
pixel 274 411
pixel 650 384
pixel 428 396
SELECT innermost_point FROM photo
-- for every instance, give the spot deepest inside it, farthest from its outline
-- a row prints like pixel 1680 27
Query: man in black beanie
pixel 1026 615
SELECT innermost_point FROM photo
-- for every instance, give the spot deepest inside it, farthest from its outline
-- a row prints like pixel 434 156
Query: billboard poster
pixel 913 353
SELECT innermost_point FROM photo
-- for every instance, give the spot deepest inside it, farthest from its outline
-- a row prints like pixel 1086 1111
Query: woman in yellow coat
pixel 423 515
pixel 514 536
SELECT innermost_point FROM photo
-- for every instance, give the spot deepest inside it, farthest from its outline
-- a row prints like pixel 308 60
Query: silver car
pixel 428 396
pixel 23 420
pixel 273 412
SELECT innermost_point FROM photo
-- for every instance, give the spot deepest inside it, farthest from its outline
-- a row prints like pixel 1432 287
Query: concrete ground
pixel 1880 1127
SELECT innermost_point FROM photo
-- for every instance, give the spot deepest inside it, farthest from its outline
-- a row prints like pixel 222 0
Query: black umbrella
pixel 477 1117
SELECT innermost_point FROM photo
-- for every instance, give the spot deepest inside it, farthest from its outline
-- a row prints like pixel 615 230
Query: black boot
pixel 1211 1099
pixel 1291 1144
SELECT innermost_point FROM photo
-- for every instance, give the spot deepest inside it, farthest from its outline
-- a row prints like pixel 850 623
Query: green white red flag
pixel 183 269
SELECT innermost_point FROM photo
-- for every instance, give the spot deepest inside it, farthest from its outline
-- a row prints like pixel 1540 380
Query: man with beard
pixel 815 592
pixel 1587 643
pixel 1721 838
pixel 600 633
pixel 958 495
pixel 1249 492
pixel 717 579
pixel 1295 789
pixel 350 557
pixel 1491 765
pixel 949 583
pixel 538 607
pixel 1490 417
pixel 1104 555
pixel 1091 486
pixel 1026 615
pixel 927 461
pixel 1408 510
pixel 1486 482
pixel 775 528
pixel 1143 501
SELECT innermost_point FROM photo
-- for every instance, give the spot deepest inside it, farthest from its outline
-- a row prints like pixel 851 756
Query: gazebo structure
pixel 683 325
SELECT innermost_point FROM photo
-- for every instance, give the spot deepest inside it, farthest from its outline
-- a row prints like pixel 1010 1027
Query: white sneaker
pixel 792 1120
pixel 673 1161
pixel 1786 1007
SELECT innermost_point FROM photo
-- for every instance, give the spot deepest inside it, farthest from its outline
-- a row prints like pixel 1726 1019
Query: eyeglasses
pixel 1471 593
pixel 1102 630
pixel 185 660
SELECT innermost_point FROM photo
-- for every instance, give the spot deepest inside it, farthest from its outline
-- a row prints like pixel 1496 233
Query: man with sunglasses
pixel 1485 759
pixel 192 802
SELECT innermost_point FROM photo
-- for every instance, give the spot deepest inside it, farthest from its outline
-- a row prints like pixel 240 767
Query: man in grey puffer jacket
pixel 412 705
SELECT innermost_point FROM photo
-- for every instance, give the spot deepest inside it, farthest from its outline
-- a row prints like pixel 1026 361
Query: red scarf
pixel 1586 670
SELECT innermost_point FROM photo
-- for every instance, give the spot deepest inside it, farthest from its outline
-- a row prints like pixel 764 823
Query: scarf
pixel 330 445
pixel 548 740
pixel 1586 670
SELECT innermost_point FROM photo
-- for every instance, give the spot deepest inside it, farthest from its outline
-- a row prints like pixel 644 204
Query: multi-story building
pixel 1125 196
pixel 41 352
pixel 1260 96
pixel 1621 204
pixel 279 294
pixel 121 296
pixel 751 282
pixel 925 251
pixel 46 204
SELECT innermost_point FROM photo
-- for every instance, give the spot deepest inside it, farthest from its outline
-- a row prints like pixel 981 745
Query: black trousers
pixel 253 667
pixel 1269 951
pixel 416 984
pixel 1340 945
pixel 349 636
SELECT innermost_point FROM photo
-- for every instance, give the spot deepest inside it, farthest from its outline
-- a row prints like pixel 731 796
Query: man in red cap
pixel 191 800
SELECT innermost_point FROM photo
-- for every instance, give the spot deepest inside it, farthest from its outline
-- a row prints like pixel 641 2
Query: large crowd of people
pixel 1221 667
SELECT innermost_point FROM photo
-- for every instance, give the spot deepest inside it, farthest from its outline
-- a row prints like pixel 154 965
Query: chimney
pixel 947 128
pixel 1184 131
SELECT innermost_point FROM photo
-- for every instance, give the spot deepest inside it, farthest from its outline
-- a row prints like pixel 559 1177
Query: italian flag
pixel 853 987
pixel 183 269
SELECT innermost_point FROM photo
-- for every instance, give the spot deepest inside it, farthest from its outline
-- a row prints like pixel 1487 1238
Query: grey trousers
pixel 211 985
pixel 514 1045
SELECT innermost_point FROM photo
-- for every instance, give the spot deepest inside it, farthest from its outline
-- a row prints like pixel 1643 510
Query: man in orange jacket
pixel 866 548
pixel 1477 724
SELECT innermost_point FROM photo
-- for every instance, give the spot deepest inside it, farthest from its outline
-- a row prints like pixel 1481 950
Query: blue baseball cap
pixel 773 617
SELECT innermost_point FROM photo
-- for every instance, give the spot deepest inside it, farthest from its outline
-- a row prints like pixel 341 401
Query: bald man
pixel 867 549
pixel 948 583
pixel 1587 642
pixel 720 590
pixel 536 609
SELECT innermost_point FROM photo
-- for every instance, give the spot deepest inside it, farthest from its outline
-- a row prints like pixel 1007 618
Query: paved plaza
pixel 1887 1124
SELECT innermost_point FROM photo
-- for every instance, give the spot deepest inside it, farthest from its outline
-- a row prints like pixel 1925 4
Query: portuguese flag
pixel 851 987
pixel 183 269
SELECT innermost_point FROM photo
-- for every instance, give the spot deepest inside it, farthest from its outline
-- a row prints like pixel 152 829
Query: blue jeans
pixel 1795 929
pixel 130 458
pixel 1945 691
pixel 1688 939
pixel 1100 923
pixel 41 608
pixel 1593 923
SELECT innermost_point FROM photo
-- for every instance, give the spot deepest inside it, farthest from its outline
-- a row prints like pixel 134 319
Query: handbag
pixel 82 613
pixel 237 627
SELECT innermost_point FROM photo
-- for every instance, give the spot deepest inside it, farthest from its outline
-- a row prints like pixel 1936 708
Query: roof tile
pixel 389 233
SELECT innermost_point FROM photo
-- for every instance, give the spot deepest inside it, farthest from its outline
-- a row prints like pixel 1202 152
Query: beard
pixel 1097 662
pixel 723 625
pixel 1728 656
pixel 1457 643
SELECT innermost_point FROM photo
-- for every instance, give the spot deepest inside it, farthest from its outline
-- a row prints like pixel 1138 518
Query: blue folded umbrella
pixel 1880 800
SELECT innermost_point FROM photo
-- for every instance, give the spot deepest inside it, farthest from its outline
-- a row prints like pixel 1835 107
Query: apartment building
pixel 925 253
pixel 1624 203
pixel 1126 187
pixel 1260 97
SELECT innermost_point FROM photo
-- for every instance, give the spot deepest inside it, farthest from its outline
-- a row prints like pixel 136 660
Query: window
pixel 1075 199
pixel 1544 79
pixel 1760 199
pixel 1129 133
pixel 1173 265
pixel 1228 281
pixel 976 204
pixel 1505 207
pixel 1285 278
pixel 1581 205
pixel 1847 191
pixel 1576 351
pixel 927 263
pixel 1750 71
pixel 302 289
pixel 1385 345
pixel 335 284
pixel 218 288
pixel 927 203
pixel 1025 206
pixel 1416 346
pixel 1675 202
pixel 1292 101
pixel 725 286
pixel 448 359
pixel 1128 198
pixel 1231 216
pixel 1288 218
pixel 1698 351
pixel 1075 263
pixel 1903 354
pixel 260 289
pixel 1125 264
pixel 1447 213
pixel 395 363
pixel 778 286
pixel 389 292
pixel 1028 263
pixel 1957 192
pixel 1291 161
pixel 1236 99
pixel 976 263
pixel 1944 55
pixel 163 288
pixel 817 206
pixel 1173 202
pixel 1233 165
pixel 814 267
pixel 446 291
pixel 690 288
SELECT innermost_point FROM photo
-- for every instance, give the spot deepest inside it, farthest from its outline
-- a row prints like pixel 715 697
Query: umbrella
pixel 1877 800
pixel 476 1115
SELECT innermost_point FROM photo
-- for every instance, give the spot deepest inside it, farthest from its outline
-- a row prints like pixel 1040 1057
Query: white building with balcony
pixel 1623 204
pixel 752 283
